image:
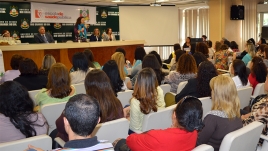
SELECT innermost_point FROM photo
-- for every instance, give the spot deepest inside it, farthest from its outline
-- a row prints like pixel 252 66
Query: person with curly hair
pixel 199 86
pixel 224 116
pixel 203 48
pixel 186 122
pixel 17 118
pixel 147 97
pixel 258 72
pixel 186 69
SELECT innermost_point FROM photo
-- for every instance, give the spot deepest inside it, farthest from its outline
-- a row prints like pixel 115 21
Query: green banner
pixel 16 18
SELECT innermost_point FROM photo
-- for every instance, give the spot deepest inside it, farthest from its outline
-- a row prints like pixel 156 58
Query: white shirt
pixel 79 76
pixel 10 75
pixel 238 82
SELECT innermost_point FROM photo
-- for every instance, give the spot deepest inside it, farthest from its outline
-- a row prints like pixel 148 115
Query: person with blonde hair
pixel 186 69
pixel 224 116
pixel 47 62
pixel 119 58
pixel 250 49
pixel 147 97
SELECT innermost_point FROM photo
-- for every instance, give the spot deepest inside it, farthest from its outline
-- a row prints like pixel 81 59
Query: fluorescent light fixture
pixel 158 1
pixel 155 4
pixel 118 1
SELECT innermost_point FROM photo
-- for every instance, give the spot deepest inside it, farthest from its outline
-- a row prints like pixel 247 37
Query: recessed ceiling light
pixel 117 1
pixel 157 1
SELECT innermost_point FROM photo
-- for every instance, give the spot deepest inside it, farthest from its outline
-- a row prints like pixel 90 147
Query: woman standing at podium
pixel 108 36
pixel 80 30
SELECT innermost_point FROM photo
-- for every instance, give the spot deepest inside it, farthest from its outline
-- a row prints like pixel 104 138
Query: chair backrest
pixel 41 141
pixel 32 95
pixel 165 88
pixel 52 112
pixel 206 105
pixel 245 138
pixel 80 88
pixel 161 119
pixel 259 89
pixel 112 130
pixel 203 147
pixel 125 97
pixel 244 95
pixel 181 86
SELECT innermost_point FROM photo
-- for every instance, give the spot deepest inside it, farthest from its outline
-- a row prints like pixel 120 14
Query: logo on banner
pixel 85 14
pixel 57 25
pixel 24 24
pixel 38 13
pixel 14 11
pixel 104 14
pixel 15 35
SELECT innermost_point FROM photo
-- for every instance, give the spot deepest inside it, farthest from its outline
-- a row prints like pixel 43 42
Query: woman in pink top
pixel 17 118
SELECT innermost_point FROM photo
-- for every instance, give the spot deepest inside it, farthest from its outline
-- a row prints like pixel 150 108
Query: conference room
pixel 124 52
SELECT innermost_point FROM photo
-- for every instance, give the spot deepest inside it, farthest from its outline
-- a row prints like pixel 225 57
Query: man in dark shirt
pixel 82 114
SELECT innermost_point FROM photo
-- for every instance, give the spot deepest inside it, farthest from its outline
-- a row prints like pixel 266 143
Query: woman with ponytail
pixel 17 118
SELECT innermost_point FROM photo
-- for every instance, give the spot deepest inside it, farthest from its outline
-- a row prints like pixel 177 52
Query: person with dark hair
pixel 80 67
pixel 108 35
pixel 199 57
pixel 43 36
pixel 147 97
pixel 90 57
pixel 149 61
pixel 58 88
pixel 111 69
pixel 261 41
pixel 199 86
pixel 203 48
pixel 187 43
pixel 258 72
pixel 239 70
pixel 224 116
pixel 178 54
pixel 138 58
pixel 29 76
pixel 211 51
pixel 80 30
pixel 186 122
pixel 186 69
pixel 157 57
pixel 96 35
pixel 222 56
pixel 5 33
pixel 227 42
pixel 9 75
pixel 204 37
pixel 81 116
pixel 176 46
pixel 265 56
pixel 234 46
pixel 260 51
pixel 17 118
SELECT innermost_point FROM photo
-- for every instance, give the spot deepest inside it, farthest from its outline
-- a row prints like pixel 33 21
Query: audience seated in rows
pixel 58 87
pixel 239 72
pixel 15 72
pixel 29 76
pixel 147 97
pixel 47 62
pixel 119 58
pixel 149 61
pixel 186 69
pixel 80 68
pixel 221 57
pixel 81 115
pixel 250 49
pixel 224 116
pixel 258 72
pixel 90 57
pixel 178 54
pixel 199 86
pixel 96 83
pixel 111 70
pixel 182 135
pixel 137 62
pixel 17 118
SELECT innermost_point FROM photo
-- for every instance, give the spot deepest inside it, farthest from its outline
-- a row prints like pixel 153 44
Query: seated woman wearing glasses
pixel 182 135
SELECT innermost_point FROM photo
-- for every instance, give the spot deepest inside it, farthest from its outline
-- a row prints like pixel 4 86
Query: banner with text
pixel 53 13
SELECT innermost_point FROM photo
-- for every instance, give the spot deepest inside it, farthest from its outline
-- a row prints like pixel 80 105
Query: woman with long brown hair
pixel 58 88
pixel 97 83
pixel 147 97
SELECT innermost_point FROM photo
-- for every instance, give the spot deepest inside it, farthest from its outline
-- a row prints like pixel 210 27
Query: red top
pixel 171 139
pixel 253 81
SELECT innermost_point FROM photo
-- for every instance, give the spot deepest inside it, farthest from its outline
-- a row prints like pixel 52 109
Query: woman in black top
pixel 187 44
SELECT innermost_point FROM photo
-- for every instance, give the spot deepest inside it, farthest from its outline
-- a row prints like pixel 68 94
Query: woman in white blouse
pixel 239 71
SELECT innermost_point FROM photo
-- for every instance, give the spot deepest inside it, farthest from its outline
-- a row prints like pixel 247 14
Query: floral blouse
pixel 221 59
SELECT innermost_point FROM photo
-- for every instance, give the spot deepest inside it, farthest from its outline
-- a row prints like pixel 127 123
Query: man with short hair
pixel 82 114
pixel 43 36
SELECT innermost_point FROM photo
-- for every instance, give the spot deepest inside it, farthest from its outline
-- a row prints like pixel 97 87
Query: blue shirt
pixel 246 59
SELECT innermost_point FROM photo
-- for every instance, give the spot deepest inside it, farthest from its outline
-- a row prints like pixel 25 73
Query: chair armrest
pixel 137 131
pixel 173 93
pixel 264 137
pixel 59 141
